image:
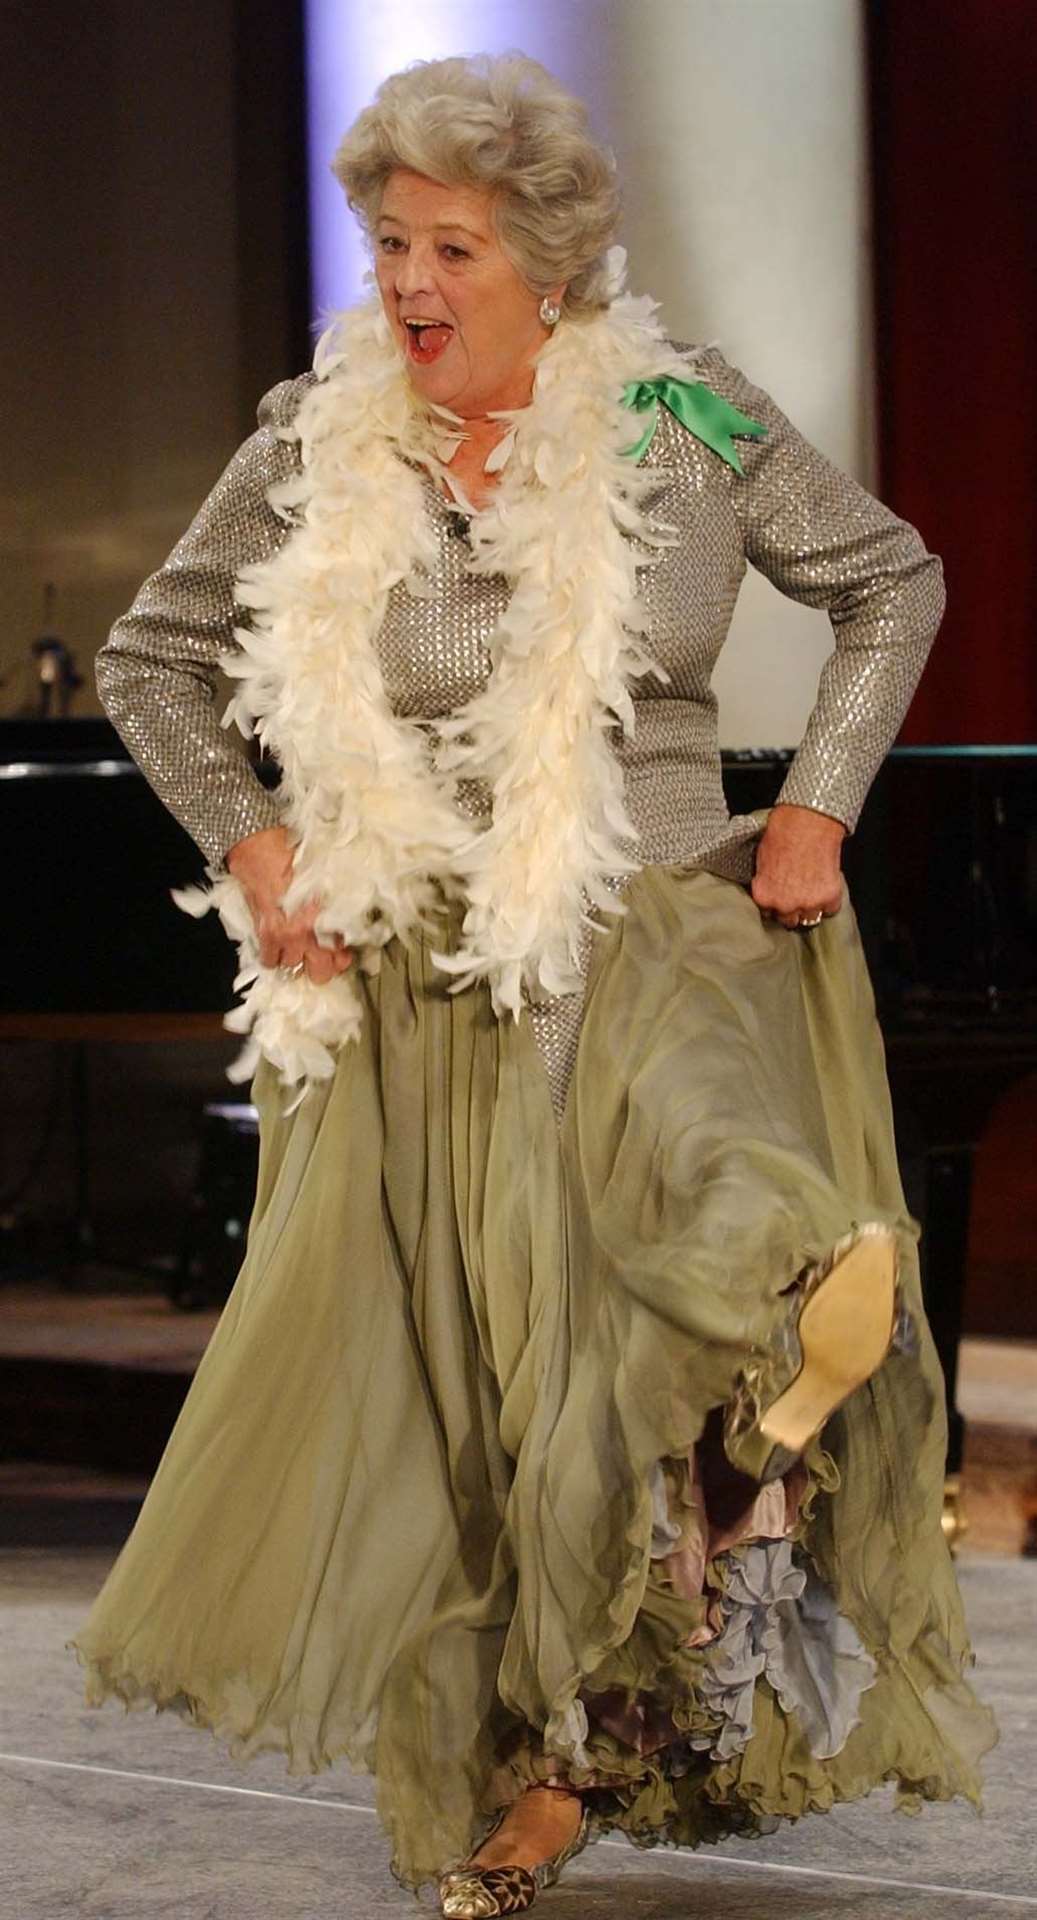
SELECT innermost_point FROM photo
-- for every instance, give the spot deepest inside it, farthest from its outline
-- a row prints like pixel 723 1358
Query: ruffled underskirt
pixel 446 1496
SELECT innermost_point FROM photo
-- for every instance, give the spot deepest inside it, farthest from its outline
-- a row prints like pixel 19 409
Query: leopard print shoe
pixel 481 1893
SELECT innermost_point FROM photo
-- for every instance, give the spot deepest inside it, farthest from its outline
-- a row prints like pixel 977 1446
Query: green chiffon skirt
pixel 406 1514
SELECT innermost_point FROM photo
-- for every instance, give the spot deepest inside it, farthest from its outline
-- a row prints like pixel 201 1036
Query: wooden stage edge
pixel 113 1026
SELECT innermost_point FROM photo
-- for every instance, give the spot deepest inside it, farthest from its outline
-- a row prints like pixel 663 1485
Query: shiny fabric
pixel 406 1514
pixel 819 536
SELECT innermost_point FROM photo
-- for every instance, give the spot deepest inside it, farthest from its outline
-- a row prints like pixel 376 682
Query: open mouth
pixel 426 339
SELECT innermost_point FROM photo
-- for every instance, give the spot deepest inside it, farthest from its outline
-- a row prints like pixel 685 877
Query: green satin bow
pixel 697 407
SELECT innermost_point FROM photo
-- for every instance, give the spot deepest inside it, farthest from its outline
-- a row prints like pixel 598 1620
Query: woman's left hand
pixel 798 874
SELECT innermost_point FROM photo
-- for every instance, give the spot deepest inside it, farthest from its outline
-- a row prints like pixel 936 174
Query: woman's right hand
pixel 263 863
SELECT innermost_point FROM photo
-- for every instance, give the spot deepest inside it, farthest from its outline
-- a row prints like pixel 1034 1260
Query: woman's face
pixel 437 259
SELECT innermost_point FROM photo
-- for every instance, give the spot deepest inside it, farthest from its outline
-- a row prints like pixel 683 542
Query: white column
pixel 740 128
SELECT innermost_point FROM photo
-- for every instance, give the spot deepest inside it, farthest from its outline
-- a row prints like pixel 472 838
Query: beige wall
pixel 119 317
pixel 740 125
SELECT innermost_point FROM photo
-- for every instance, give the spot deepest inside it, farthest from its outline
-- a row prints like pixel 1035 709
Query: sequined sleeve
pixel 822 539
pixel 157 671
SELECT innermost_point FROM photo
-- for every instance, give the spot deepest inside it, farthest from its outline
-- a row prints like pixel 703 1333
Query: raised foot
pixel 845 1330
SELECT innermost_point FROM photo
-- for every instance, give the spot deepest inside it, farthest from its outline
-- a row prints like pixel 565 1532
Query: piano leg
pixel 944 1250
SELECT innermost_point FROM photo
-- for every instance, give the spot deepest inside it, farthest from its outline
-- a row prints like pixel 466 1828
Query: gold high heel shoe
pixel 482 1893
pixel 843 1322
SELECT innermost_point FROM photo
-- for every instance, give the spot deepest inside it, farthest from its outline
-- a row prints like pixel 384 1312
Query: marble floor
pixel 108 1816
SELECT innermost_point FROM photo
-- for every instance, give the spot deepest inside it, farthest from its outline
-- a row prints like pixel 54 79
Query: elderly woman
pixel 569 1452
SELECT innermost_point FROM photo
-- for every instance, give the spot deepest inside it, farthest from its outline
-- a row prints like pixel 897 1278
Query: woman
pixel 570 1449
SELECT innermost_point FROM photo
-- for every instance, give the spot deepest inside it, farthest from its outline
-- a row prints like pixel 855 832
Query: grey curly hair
pixel 505 124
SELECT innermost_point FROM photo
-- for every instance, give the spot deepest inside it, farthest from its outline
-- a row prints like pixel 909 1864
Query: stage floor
pixel 108 1816
pixel 114 1817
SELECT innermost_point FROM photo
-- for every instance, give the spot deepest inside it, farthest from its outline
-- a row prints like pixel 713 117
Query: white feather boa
pixel 375 822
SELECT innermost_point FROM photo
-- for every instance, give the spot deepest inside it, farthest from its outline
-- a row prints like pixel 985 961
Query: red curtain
pixel 953 87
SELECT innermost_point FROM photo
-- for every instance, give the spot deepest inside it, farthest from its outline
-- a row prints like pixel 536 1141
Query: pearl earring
pixel 549 313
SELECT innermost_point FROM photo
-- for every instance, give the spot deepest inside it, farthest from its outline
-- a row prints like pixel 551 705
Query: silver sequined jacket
pixel 810 528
